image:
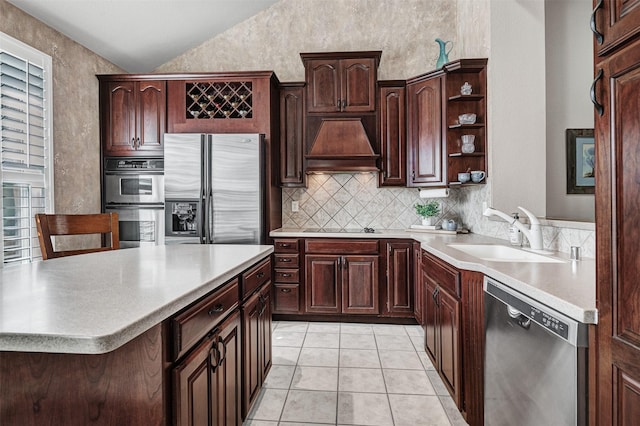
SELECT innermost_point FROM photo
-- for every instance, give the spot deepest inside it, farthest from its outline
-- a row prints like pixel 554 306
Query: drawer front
pixel 286 260
pixel 286 298
pixel 194 323
pixel 341 246
pixel 255 277
pixel 286 245
pixel 287 275
pixel 444 274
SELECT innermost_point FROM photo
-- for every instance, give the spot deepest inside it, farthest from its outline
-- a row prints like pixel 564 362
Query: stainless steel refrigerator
pixel 214 188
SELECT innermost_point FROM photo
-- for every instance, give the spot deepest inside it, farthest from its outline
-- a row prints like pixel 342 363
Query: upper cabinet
pixel 292 134
pixel 460 77
pixel 222 102
pixel 133 114
pixel 426 165
pixel 392 125
pixel 613 23
pixel 341 82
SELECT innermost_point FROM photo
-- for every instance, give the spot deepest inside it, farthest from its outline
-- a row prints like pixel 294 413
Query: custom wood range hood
pixel 342 145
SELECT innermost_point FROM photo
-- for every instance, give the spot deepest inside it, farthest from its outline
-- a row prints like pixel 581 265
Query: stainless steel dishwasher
pixel 535 362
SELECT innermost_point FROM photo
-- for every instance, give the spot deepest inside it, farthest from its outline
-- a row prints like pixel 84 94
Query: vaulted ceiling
pixel 140 35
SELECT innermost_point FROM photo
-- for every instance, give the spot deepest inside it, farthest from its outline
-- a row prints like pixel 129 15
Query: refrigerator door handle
pixel 204 207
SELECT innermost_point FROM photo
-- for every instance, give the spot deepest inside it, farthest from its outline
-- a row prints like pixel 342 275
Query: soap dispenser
pixel 515 235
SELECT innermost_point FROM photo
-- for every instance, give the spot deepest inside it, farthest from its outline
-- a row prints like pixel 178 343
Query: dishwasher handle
pixel 518 317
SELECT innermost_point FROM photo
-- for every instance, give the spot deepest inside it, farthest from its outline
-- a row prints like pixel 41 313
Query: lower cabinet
pixel 256 332
pixel 206 383
pixel 400 294
pixel 442 310
pixel 342 284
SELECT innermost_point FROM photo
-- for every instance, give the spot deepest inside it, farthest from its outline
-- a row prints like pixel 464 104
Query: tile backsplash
pixel 354 201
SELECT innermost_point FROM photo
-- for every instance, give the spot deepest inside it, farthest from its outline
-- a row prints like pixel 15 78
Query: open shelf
pixel 466 98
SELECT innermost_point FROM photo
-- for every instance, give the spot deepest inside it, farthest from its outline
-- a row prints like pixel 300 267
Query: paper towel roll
pixel 434 193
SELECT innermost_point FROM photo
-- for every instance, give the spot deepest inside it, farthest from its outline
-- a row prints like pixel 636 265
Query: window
pixel 26 171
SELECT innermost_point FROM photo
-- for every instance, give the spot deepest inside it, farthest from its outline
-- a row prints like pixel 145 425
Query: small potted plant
pixel 428 212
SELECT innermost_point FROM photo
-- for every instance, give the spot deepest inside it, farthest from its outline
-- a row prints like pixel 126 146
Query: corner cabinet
pixel 341 82
pixel 133 116
pixel 392 127
pixel 426 163
pixel 400 294
pixel 292 172
pixel 457 73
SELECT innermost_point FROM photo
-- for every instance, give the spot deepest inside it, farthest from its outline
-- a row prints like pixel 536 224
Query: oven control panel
pixel 115 164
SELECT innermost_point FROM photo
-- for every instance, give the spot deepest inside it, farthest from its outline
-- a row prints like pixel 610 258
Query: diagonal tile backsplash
pixel 354 201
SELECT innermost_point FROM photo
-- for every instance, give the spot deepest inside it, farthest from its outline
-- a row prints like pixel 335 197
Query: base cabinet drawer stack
pixel 286 289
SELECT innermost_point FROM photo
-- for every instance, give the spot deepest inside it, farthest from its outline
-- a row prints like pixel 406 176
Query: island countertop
pixel 568 287
pixel 95 303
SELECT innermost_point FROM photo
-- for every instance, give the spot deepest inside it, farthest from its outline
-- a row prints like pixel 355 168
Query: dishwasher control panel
pixel 549 322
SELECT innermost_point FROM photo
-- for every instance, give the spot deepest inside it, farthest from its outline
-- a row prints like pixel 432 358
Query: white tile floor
pixel 351 374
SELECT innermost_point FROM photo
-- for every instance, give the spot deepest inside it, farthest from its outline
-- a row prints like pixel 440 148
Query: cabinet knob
pixel 260 274
pixel 285 275
pixel 285 290
pixel 285 245
pixel 284 259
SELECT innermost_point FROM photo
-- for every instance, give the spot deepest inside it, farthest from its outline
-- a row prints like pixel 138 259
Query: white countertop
pixel 95 303
pixel 568 287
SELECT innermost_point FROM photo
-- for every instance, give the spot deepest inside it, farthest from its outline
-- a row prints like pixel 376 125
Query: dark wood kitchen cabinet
pixel 342 276
pixel 615 22
pixel 392 127
pixel 400 294
pixel 442 311
pixel 287 274
pixel 256 333
pixel 207 382
pixel 426 162
pixel 133 116
pixel 292 122
pixel 341 82
pixel 418 289
pixel 616 353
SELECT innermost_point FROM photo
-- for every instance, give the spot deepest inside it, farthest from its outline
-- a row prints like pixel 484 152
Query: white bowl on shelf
pixel 468 118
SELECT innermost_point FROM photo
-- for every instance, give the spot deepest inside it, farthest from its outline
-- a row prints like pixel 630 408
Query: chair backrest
pixel 50 225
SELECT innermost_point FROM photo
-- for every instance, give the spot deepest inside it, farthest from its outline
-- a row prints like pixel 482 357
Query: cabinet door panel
pixel 191 387
pixel 417 283
pixel 292 135
pixel 449 343
pixel 151 114
pixel 119 128
pixel 322 284
pixel 431 324
pixel 251 349
pixel 618 21
pixel 358 77
pixel 617 212
pixel 425 133
pixel 228 387
pixel 324 85
pixel 265 331
pixel 360 285
pixel 393 136
pixel 399 278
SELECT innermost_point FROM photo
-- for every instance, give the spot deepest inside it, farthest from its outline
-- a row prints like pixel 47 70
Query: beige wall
pixel 76 134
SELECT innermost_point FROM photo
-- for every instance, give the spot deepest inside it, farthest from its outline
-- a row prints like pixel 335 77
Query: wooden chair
pixel 50 225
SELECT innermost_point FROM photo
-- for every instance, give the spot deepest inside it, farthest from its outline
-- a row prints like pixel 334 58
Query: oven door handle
pixel 114 206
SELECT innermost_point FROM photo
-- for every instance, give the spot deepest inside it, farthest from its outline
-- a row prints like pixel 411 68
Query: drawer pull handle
pixel 286 245
pixel 216 309
pixel 597 34
pixel 260 275
pixel 598 106
pixel 284 259
pixel 286 275
pixel 286 290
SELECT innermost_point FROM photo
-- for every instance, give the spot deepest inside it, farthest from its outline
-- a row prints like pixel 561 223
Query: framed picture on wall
pixel 580 161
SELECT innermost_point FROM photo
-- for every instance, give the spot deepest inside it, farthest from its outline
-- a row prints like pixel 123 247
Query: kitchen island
pixel 84 339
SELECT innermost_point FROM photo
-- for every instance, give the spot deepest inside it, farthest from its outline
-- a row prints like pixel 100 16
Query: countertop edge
pixel 101 344
pixel 584 314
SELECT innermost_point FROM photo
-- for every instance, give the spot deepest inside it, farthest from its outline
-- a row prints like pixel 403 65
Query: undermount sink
pixel 498 253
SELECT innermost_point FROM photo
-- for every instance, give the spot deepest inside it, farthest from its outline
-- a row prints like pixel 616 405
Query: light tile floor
pixel 351 374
